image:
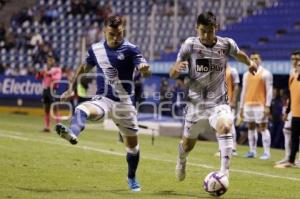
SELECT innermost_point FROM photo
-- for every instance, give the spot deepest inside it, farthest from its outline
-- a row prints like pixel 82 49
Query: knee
pixel 262 127
pixel 187 147
pixel 224 125
pixel 251 126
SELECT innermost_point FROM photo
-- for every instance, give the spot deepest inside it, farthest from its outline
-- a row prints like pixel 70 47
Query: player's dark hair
pixel 296 52
pixel 114 21
pixel 255 53
pixel 207 19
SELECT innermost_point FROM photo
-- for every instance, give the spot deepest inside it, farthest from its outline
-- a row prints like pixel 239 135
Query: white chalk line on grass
pixel 21 136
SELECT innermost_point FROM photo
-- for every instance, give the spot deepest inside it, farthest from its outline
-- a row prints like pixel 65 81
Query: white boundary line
pixel 21 136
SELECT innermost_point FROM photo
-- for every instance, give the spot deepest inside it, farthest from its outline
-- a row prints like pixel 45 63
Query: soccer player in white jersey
pixel 205 57
pixel 115 60
pixel 288 116
pixel 255 105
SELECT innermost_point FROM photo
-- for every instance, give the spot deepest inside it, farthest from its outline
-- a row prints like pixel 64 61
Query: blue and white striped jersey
pixel 115 69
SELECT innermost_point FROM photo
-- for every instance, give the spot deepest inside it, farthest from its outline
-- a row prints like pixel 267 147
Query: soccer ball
pixel 216 183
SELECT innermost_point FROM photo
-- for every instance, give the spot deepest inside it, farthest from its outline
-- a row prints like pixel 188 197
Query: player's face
pixel 50 61
pixel 114 36
pixel 256 59
pixel 207 34
pixel 293 60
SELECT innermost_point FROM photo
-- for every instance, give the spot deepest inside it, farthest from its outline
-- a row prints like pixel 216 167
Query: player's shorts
pixel 123 115
pixel 199 120
pixel 254 113
pixel 288 123
pixel 47 97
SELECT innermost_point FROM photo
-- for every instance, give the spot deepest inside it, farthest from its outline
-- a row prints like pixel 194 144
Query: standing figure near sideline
pixel 294 108
pixel 288 117
pixel 255 105
pixel 205 57
pixel 115 60
pixel 232 81
pixel 50 76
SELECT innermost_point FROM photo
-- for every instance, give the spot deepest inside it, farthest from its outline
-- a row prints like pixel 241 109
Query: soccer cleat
pixel 133 185
pixel 284 160
pixel 265 156
pixel 66 133
pixel 250 154
pixel 284 165
pixel 180 169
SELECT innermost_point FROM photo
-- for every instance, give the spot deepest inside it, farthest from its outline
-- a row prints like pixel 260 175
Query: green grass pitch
pixel 42 165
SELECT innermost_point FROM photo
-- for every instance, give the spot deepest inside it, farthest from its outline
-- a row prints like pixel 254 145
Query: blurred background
pixel 30 29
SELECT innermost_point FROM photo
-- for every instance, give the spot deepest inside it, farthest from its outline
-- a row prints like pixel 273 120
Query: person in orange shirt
pixel 288 117
pixel 255 104
pixel 294 107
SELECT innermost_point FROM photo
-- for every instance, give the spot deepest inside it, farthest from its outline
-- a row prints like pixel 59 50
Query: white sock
pixel 266 140
pixel 287 142
pixel 181 153
pixel 225 145
pixel 252 139
pixel 233 131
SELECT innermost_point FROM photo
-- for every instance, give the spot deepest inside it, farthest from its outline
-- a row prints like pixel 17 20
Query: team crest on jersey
pixel 121 56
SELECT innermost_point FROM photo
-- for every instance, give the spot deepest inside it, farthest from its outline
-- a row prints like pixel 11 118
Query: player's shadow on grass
pixel 183 195
pixel 45 190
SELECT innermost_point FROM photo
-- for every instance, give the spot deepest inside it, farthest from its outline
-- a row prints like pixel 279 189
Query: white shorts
pixel 288 123
pixel 200 120
pixel 254 113
pixel 123 115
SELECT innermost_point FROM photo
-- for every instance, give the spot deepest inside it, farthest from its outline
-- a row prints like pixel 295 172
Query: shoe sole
pixel 62 132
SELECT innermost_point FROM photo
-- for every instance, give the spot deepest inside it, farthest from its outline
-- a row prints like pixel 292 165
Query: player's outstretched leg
pixel 225 140
pixel 184 147
pixel 132 158
pixel 181 163
pixel 77 125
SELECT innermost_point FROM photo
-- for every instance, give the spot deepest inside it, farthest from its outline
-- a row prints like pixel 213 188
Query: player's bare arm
pixel 83 68
pixel 177 68
pixel 242 57
pixel 145 69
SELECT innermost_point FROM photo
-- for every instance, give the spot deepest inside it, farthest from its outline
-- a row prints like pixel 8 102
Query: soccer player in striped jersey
pixel 205 57
pixel 255 105
pixel 115 60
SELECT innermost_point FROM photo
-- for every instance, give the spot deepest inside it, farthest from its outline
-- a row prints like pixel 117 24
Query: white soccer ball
pixel 216 183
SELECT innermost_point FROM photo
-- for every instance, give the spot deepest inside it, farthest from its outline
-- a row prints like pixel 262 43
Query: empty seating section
pixel 272 31
pixel 268 27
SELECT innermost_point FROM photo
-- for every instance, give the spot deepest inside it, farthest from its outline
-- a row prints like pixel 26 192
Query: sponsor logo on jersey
pixel 203 68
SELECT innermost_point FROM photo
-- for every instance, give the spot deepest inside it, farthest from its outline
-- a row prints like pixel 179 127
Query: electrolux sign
pixel 21 87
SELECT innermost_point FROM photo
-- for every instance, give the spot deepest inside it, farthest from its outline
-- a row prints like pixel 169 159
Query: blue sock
pixel 133 161
pixel 78 121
